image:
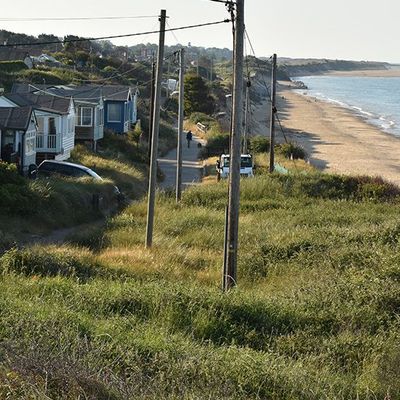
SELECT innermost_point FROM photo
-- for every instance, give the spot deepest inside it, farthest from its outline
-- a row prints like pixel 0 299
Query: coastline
pixel 375 73
pixel 338 140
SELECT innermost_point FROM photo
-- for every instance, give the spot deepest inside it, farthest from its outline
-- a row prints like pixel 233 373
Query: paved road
pixel 191 171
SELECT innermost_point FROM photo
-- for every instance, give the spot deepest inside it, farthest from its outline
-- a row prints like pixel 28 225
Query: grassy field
pixel 35 208
pixel 315 315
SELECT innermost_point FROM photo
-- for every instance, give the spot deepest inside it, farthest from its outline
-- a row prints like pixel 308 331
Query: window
pixel 30 145
pixel 40 123
pixel 85 116
pixel 52 126
pixel 100 117
pixel 114 113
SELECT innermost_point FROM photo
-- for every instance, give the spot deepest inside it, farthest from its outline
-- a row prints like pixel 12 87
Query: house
pixel 89 112
pixel 118 102
pixel 18 136
pixel 97 107
pixel 55 116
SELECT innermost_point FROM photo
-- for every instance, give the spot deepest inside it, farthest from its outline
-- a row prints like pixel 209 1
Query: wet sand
pixel 337 140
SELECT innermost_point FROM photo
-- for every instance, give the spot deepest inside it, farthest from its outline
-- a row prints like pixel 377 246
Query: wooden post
pixel 180 125
pixel 236 136
pixel 152 94
pixel 155 130
pixel 272 120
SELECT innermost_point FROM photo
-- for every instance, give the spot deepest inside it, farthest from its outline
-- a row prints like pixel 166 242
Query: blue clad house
pixel 120 108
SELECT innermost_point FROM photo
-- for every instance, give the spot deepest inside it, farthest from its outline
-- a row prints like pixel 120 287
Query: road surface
pixel 191 166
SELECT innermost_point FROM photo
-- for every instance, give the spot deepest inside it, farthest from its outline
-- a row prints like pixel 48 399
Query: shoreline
pixel 337 139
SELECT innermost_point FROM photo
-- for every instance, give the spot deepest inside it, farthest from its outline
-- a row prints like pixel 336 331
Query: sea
pixel 377 100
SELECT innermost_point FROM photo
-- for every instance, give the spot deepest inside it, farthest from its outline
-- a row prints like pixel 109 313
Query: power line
pixel 76 18
pixel 115 36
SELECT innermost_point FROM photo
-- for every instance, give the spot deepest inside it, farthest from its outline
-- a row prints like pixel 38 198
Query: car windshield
pixel 245 162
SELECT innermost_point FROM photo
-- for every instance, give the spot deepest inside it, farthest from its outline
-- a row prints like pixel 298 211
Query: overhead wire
pixel 268 88
pixel 75 18
pixel 115 36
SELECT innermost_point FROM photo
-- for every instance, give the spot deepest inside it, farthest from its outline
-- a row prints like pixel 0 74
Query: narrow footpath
pixel 191 166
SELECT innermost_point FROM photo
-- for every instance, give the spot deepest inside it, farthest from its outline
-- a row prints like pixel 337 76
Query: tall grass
pixel 315 315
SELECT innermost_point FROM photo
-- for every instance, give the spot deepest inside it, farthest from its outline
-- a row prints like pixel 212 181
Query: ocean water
pixel 375 99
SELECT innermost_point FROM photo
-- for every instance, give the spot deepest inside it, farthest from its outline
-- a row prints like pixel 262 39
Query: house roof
pixel 28 88
pixel 16 118
pixel 93 93
pixel 40 102
pixel 82 94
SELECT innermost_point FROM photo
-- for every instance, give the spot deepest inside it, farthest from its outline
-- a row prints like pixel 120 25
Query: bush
pixel 290 150
pixel 37 76
pixel 9 174
pixel 341 187
pixel 259 144
pixel 201 117
pixel 12 66
pixel 16 197
pixel 217 144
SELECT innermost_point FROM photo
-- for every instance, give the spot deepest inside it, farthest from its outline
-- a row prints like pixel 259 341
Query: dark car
pixel 51 167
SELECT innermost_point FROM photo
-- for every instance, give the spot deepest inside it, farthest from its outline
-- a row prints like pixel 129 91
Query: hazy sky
pixel 343 29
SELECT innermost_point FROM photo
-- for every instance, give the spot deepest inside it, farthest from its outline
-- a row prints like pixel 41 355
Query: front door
pixel 8 148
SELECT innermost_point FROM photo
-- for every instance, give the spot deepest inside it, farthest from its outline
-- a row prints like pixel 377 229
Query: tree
pixel 197 96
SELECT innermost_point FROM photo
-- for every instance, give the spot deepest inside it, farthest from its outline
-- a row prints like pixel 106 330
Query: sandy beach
pixel 337 140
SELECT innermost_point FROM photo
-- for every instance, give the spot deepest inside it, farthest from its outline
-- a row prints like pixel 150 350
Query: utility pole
pixel 236 136
pixel 180 125
pixel 246 117
pixel 272 119
pixel 152 95
pixel 155 131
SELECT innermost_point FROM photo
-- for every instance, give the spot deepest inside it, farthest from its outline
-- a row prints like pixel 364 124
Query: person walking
pixel 189 137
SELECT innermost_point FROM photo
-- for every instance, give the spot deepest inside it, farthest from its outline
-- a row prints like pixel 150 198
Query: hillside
pixel 315 315
pixel 301 67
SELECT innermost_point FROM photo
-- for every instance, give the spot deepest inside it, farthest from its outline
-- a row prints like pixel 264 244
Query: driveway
pixel 191 166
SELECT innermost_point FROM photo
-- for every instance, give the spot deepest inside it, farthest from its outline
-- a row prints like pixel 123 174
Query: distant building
pixel 18 137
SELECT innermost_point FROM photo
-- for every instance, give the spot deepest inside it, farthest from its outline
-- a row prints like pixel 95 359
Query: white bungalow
pixel 18 136
pixel 55 138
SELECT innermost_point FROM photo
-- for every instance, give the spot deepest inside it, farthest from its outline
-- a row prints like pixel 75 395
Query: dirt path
pixel 192 167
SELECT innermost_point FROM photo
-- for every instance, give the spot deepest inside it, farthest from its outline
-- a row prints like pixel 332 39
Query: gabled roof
pixel 93 93
pixel 40 102
pixel 28 87
pixel 16 118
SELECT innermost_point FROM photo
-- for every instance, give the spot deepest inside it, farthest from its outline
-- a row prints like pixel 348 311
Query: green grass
pixel 29 208
pixel 315 315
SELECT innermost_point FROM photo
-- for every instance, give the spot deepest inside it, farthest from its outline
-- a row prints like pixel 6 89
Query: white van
pixel 246 166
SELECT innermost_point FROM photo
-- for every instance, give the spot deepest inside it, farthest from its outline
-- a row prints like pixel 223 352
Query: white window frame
pixel 108 113
pixel 30 143
pixel 80 116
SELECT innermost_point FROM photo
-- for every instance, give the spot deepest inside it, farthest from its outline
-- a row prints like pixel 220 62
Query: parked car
pixel 246 166
pixel 51 167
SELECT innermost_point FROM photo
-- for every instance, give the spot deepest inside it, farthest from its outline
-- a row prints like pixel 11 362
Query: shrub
pixel 9 174
pixel 291 150
pixel 12 66
pixel 259 144
pixel 37 76
pixel 217 144
pixel 201 117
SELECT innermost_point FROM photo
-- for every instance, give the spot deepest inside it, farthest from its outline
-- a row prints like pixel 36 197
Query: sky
pixel 335 29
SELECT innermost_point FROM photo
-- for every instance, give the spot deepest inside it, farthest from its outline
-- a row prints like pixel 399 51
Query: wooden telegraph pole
pixel 246 117
pixel 152 95
pixel 273 111
pixel 155 131
pixel 236 136
pixel 180 125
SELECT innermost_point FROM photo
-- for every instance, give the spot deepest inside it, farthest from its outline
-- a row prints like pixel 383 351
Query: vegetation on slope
pixel 315 315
